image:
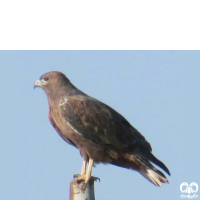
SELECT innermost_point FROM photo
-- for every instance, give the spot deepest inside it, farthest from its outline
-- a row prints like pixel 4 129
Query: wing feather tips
pixel 153 159
pixel 153 177
pixel 147 155
pixel 150 172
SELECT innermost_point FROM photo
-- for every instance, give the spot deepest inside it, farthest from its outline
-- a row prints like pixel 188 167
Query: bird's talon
pixel 79 177
pixel 95 178
pixel 76 176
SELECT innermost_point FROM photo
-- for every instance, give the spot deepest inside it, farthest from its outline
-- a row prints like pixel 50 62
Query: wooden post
pixel 82 191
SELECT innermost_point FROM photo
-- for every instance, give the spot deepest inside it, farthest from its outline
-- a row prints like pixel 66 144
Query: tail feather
pixel 147 155
pixel 141 161
pixel 154 160
pixel 153 176
pixel 150 172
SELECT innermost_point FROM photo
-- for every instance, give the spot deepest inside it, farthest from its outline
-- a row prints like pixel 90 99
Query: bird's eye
pixel 46 78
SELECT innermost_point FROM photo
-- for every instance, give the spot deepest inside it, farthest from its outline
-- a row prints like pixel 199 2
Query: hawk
pixel 100 133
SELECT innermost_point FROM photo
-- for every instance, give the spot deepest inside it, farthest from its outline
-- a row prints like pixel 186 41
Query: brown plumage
pixel 100 133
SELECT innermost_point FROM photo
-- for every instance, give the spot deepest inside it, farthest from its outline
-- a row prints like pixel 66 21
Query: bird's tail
pixel 149 171
pixel 153 176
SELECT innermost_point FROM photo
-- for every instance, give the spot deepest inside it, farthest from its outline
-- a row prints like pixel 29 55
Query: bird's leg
pixel 86 176
pixel 89 170
pixel 83 170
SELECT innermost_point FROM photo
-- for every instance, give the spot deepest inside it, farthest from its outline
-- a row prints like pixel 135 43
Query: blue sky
pixel 156 91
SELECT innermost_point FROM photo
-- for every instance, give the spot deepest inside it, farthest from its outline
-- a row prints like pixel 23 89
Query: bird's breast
pixel 60 126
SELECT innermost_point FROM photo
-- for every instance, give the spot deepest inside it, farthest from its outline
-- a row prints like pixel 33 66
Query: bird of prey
pixel 100 133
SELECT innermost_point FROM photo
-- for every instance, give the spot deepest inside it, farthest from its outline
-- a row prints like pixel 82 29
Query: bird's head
pixel 50 82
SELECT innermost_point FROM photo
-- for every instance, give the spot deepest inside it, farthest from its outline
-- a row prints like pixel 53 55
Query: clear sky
pixel 156 91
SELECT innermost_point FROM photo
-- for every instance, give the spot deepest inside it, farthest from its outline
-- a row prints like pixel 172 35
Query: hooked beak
pixel 37 84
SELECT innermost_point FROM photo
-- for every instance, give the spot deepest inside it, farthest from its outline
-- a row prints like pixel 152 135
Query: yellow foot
pixel 85 178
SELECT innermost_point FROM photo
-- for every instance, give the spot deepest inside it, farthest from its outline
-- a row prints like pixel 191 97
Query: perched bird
pixel 100 133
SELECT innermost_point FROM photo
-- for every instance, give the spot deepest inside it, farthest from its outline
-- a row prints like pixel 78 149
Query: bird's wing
pixel 98 122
